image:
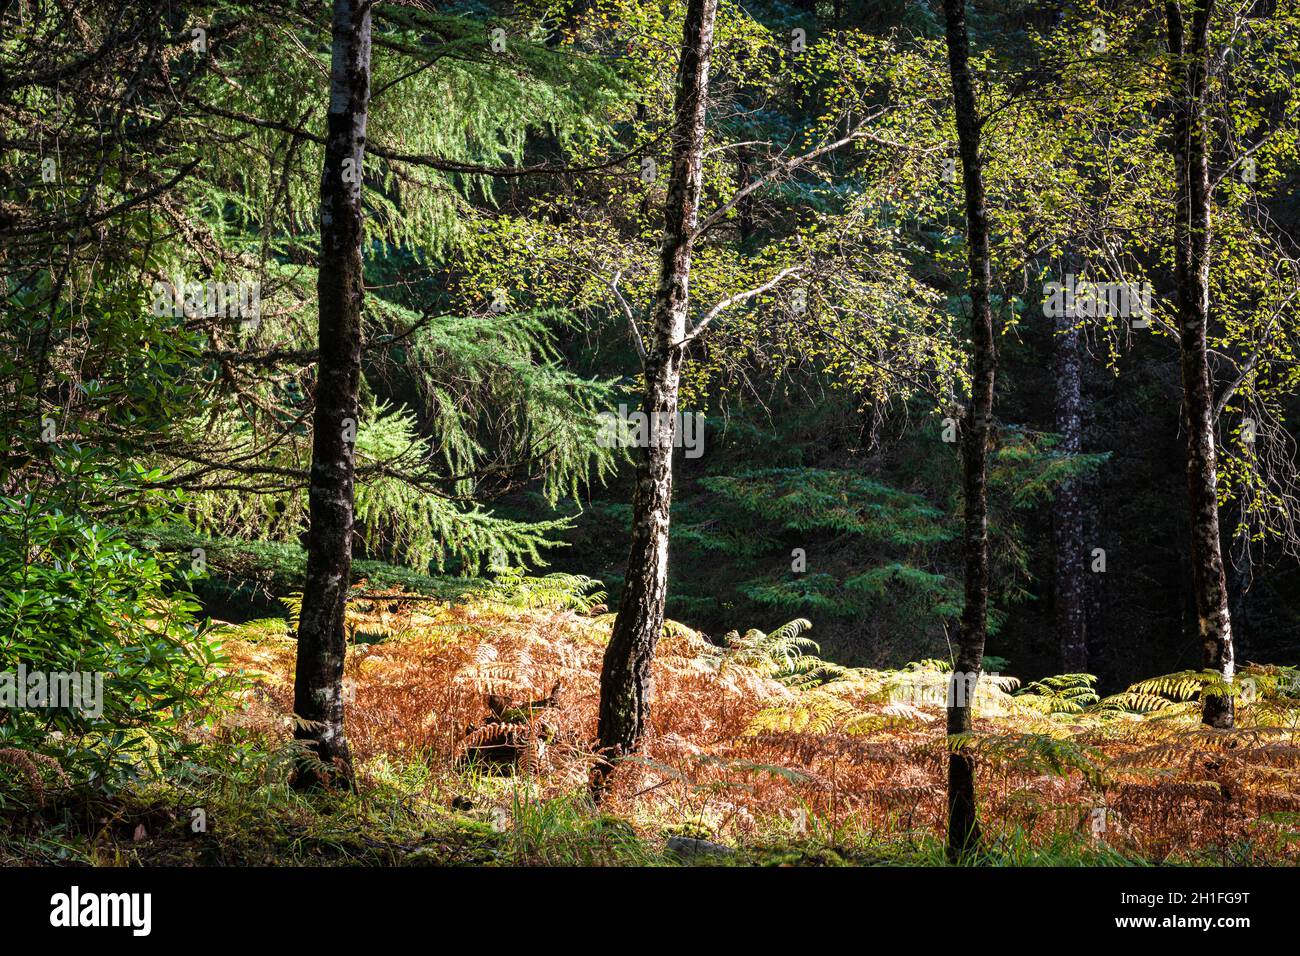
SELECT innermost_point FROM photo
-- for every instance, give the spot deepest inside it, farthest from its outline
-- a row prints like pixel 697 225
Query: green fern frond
pixel 557 591
pixel 1061 694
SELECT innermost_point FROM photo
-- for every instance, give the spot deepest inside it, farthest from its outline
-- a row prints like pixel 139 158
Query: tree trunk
pixel 1071 620
pixel 1192 276
pixel 318 686
pixel 963 827
pixel 625 685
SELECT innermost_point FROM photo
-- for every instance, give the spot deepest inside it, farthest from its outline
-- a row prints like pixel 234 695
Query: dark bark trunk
pixel 625 684
pixel 1071 620
pixel 1192 276
pixel 1101 656
pixel 963 825
pixel 318 686
pixel 1097 528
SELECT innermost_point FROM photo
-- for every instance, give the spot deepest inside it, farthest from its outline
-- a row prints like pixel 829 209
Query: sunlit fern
pixel 832 698
pixel 363 615
pixel 823 711
pixel 1270 694
pixel 1161 693
pixel 557 591
pixel 784 652
pixel 676 639
pixel 1031 753
pixel 1065 694
pixel 928 683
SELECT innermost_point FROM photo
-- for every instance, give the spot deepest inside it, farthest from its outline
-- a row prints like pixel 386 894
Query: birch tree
pixel 625 676
pixel 963 826
pixel 318 682
pixel 844 297
pixel 1192 232
pixel 1071 617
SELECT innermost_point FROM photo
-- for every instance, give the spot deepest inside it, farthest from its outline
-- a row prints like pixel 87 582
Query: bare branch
pixel 637 340
pixel 790 165
pixel 736 299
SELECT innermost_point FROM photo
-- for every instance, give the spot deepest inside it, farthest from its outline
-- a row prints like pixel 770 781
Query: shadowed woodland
pixel 614 433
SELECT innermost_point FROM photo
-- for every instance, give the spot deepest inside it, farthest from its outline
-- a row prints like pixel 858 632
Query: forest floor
pixel 470 725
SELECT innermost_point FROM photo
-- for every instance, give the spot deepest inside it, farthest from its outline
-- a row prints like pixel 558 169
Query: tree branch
pixel 790 165
pixel 736 299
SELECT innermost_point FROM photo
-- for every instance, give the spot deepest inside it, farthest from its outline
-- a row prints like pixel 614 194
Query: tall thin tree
pixel 318 685
pixel 625 685
pixel 1192 235
pixel 963 825
pixel 1067 529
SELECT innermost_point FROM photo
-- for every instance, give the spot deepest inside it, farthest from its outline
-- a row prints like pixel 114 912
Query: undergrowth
pixel 758 746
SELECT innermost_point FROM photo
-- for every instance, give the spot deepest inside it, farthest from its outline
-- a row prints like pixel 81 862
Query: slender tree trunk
pixel 963 826
pixel 1071 617
pixel 1192 276
pixel 625 685
pixel 318 686
pixel 1096 524
pixel 1101 655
